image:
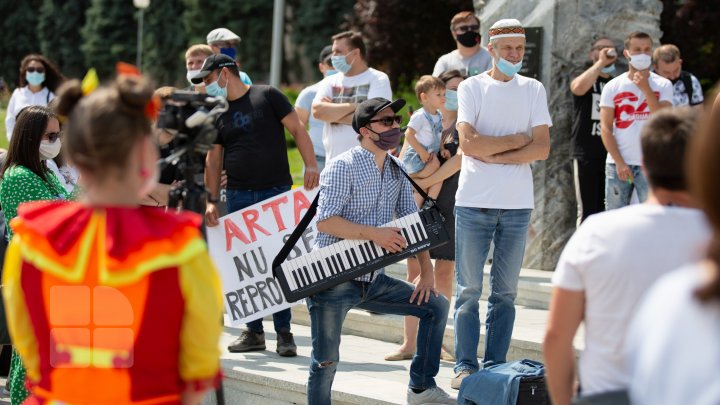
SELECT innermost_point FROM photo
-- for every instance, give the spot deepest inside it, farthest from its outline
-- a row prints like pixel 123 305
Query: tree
pixel 59 33
pixel 404 40
pixel 687 24
pixel 19 23
pixel 109 35
pixel 164 43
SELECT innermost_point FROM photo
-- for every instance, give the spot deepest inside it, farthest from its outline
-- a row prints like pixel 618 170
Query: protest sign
pixel 244 245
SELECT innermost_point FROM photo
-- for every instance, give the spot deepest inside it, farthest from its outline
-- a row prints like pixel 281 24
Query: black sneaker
pixel 248 341
pixel 286 345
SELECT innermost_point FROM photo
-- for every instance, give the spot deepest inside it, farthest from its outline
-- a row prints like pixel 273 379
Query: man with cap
pixel 470 58
pixel 303 106
pixel 360 190
pixel 503 122
pixel 224 41
pixel 338 96
pixel 251 146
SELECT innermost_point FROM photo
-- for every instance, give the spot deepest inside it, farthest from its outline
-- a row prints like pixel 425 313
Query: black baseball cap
pixel 212 63
pixel 366 110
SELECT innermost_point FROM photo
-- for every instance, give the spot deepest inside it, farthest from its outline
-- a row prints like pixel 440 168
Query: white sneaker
pixel 431 396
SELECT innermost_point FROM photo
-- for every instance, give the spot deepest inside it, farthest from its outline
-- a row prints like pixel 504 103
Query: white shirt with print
pixel 631 112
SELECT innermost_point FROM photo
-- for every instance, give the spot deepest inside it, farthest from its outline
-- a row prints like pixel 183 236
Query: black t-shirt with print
pixel 253 136
pixel 586 141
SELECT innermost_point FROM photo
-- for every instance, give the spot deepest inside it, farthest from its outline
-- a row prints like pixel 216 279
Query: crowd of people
pixel 85 233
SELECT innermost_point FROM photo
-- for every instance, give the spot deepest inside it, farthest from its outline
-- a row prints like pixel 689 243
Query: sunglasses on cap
pixel 36 69
pixel 53 136
pixel 388 121
pixel 466 28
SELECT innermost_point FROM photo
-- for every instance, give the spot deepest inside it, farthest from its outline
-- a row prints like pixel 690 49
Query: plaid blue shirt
pixel 352 187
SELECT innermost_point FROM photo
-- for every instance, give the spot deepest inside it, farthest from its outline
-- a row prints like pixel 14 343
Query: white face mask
pixel 190 75
pixel 48 150
pixel 640 61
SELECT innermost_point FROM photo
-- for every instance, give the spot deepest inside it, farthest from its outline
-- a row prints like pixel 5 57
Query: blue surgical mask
pixel 213 89
pixel 507 68
pixel 35 78
pixel 451 101
pixel 231 52
pixel 608 69
pixel 330 72
pixel 340 64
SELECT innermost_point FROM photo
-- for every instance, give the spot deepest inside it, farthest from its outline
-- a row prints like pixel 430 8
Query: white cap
pixel 222 34
pixel 506 28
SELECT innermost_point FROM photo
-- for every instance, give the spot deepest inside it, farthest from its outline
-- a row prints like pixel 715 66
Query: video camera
pixel 193 116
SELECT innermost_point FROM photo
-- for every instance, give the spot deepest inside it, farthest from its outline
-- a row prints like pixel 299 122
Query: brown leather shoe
pixel 248 341
pixel 286 345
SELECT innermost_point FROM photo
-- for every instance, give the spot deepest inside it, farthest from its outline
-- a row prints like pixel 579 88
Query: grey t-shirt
pixel 475 64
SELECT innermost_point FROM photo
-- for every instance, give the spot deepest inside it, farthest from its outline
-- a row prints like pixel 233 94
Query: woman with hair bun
pixel 109 302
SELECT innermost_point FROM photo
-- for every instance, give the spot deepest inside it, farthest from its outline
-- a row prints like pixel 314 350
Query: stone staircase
pixel 363 377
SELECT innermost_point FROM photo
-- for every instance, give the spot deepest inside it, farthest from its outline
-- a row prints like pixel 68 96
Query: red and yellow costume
pixel 112 305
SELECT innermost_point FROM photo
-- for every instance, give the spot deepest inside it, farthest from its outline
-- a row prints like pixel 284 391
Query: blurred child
pixel 423 134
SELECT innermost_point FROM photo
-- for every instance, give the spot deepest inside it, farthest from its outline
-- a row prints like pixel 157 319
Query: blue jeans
pixel 384 295
pixel 237 200
pixel 618 192
pixel 475 229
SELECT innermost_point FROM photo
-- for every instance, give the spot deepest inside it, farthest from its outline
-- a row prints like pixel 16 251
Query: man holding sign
pixel 361 190
pixel 251 147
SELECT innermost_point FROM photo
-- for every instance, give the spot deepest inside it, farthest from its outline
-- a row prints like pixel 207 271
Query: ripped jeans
pixel 385 295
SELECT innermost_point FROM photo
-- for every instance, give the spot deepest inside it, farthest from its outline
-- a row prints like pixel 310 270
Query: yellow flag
pixel 90 81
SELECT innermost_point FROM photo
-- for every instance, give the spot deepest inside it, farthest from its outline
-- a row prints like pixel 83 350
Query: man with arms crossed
pixel 503 121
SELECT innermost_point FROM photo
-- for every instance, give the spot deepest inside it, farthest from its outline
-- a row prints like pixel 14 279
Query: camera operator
pixel 251 135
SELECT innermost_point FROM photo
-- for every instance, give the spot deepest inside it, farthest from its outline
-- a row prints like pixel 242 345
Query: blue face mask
pixel 340 64
pixel 507 68
pixel 231 52
pixel 451 101
pixel 213 89
pixel 608 69
pixel 35 78
pixel 330 72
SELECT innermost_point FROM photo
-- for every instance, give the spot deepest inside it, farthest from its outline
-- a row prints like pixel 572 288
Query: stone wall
pixel 568 29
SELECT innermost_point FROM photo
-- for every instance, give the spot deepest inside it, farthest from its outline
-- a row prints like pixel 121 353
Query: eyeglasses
pixel 466 28
pixel 53 136
pixel 388 121
pixel 36 69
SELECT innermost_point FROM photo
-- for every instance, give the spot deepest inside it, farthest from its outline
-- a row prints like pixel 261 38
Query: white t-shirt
pixel 631 112
pixel 21 98
pixel 672 345
pixel 480 62
pixel 614 257
pixel 497 108
pixel 423 129
pixel 338 138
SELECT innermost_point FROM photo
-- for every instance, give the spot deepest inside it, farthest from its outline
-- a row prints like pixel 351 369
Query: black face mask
pixel 469 39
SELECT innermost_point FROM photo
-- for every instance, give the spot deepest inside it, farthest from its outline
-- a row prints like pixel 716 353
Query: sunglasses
pixel 388 121
pixel 35 69
pixel 466 28
pixel 53 136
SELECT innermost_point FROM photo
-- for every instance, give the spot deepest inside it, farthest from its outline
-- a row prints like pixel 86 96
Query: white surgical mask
pixel 191 74
pixel 48 150
pixel 640 61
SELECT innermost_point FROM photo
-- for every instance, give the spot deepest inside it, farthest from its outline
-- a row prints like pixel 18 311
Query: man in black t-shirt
pixel 586 147
pixel 251 146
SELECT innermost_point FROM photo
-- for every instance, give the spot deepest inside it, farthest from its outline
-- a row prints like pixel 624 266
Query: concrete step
pixel 534 286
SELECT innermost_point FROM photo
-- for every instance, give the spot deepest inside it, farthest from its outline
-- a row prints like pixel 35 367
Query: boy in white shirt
pixel 422 136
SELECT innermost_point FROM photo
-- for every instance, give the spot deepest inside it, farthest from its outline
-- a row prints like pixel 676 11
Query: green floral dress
pixel 20 185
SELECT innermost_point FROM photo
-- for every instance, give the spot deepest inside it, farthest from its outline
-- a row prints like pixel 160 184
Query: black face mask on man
pixel 468 39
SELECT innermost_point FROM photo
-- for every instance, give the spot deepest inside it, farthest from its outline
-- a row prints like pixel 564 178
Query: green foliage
pixel 60 39
pixel 164 43
pixel 18 23
pixel 109 35
pixel 687 24
pixel 314 22
pixel 405 40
